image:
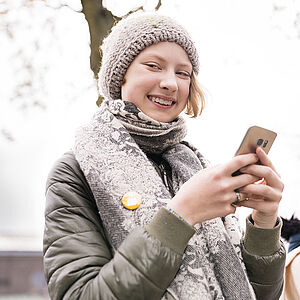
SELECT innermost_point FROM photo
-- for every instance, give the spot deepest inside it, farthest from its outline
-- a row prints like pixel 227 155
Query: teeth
pixel 161 101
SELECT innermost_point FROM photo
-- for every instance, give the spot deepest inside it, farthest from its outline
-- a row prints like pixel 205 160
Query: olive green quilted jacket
pixel 80 264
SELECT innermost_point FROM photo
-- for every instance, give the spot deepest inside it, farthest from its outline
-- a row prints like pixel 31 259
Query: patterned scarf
pixel 111 152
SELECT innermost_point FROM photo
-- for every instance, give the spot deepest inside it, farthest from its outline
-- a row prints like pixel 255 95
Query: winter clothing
pixel 80 263
pixel 132 35
pixel 94 248
pixel 147 253
pixel 124 129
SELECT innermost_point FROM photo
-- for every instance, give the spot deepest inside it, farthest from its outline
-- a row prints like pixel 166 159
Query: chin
pixel 163 120
pixel 164 117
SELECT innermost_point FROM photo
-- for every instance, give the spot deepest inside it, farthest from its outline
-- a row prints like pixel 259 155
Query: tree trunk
pixel 100 21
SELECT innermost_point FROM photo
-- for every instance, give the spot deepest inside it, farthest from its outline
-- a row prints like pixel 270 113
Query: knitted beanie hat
pixel 132 35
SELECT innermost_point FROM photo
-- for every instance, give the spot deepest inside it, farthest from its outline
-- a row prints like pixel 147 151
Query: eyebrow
pixel 157 56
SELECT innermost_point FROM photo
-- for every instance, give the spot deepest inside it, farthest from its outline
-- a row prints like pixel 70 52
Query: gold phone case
pixel 256 137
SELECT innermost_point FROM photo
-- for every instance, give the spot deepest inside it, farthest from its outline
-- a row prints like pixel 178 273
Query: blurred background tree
pixel 49 61
pixel 28 62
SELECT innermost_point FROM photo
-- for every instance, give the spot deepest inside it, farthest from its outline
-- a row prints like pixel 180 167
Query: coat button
pixel 131 200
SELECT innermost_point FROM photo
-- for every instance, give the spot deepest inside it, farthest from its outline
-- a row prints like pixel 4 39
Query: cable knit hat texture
pixel 132 35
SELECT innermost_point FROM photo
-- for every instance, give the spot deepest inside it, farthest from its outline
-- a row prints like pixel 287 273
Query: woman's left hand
pixel 264 198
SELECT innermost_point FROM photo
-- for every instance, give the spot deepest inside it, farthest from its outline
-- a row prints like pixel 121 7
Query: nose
pixel 169 82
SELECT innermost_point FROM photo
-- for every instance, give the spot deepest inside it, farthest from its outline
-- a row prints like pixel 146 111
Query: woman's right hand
pixel 211 192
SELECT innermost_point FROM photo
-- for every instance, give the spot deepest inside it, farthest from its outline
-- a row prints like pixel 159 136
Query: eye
pixel 184 74
pixel 152 66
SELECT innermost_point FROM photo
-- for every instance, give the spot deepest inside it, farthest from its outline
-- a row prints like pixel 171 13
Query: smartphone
pixel 256 137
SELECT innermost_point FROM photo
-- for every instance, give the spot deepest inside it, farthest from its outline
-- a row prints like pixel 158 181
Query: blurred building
pixel 21 271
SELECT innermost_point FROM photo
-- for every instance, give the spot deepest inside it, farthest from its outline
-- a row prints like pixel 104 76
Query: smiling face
pixel 158 81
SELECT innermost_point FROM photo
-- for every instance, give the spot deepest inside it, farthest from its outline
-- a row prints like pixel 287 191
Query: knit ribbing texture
pixel 132 35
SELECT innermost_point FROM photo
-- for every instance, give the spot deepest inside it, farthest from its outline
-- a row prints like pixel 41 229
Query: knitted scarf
pixel 111 152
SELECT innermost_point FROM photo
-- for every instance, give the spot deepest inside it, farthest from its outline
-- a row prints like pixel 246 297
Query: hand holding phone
pixel 255 137
pixel 264 201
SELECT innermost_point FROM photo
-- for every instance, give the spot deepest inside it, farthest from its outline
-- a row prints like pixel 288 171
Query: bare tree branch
pixel 133 11
pixel 158 5
pixel 61 6
pixel 7 135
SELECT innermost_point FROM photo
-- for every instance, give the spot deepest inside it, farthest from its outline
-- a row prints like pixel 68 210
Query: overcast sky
pixel 249 55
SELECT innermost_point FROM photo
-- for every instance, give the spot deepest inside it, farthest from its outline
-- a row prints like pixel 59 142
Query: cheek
pixel 185 90
pixel 128 90
pixel 147 81
pixel 138 85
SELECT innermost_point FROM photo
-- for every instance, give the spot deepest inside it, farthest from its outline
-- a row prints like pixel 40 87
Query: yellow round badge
pixel 131 200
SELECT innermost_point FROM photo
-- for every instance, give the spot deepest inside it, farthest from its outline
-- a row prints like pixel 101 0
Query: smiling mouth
pixel 161 101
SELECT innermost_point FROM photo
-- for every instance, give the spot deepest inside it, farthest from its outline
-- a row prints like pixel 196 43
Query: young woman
pixel 134 211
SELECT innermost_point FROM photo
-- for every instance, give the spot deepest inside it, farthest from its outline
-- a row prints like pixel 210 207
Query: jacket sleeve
pixel 264 256
pixel 78 259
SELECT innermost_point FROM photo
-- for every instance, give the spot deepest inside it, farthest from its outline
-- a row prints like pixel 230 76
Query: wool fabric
pixel 109 152
pixel 131 36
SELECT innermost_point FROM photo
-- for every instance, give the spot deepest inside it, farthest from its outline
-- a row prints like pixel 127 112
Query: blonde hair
pixel 196 100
